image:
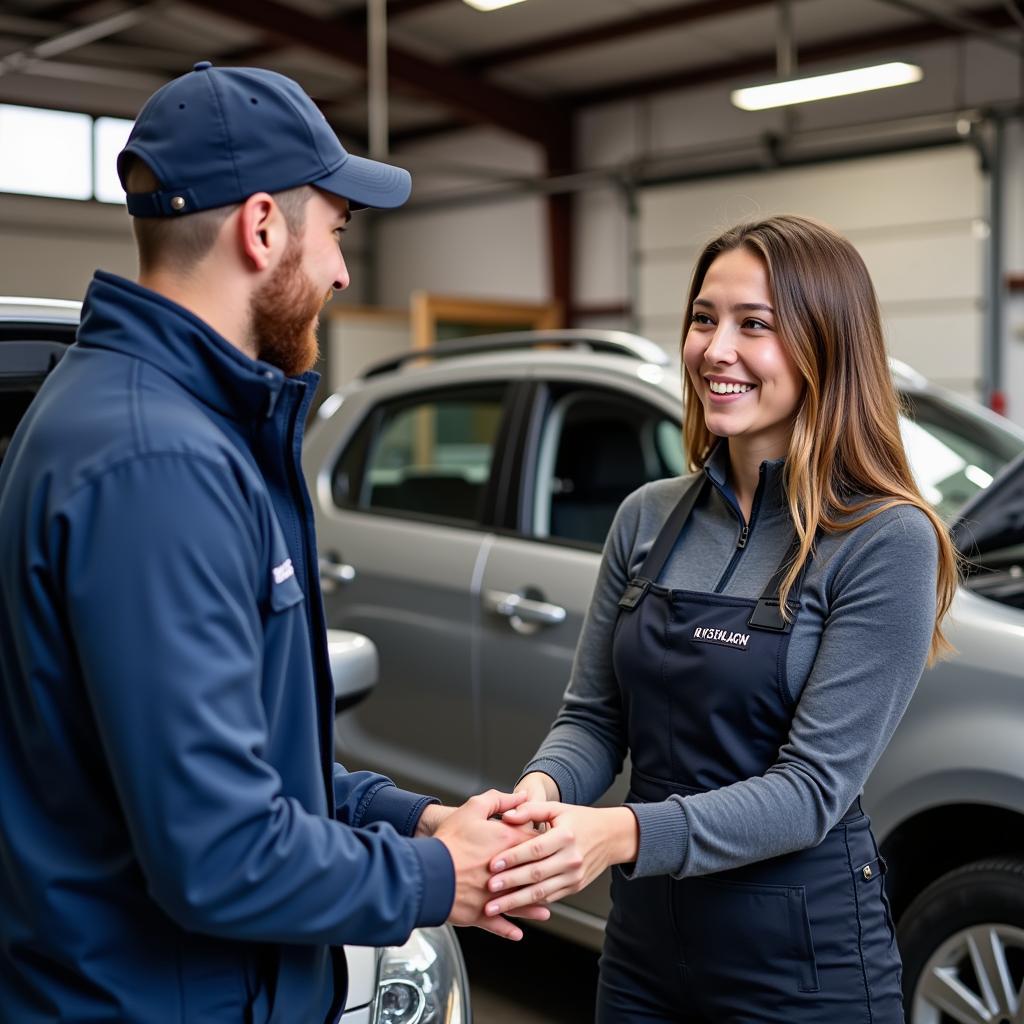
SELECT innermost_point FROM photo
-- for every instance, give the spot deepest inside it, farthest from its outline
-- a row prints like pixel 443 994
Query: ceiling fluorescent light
pixel 491 5
pixel 823 87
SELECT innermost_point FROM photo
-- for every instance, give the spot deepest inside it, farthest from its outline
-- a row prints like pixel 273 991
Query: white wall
pixel 495 250
pixel 1013 314
pixel 51 247
pixel 916 218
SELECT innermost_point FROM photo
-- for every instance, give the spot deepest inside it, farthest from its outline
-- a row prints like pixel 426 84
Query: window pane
pixel 953 453
pixel 434 458
pixel 597 448
pixel 111 133
pixel 45 152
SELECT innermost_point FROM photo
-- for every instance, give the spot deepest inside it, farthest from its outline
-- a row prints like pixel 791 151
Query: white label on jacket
pixel 283 571
pixel 710 635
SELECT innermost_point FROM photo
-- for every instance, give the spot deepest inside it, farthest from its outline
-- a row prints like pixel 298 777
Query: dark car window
pixel 597 447
pixel 27 354
pixel 954 454
pixel 428 457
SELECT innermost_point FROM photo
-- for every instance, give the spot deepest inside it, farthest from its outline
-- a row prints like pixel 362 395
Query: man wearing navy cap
pixel 176 843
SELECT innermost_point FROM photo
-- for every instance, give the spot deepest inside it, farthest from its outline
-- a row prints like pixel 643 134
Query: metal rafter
pixel 481 101
pixel 853 46
pixel 73 39
pixel 970 23
pixel 611 31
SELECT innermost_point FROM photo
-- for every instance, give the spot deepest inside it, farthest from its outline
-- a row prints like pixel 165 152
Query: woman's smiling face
pixel 741 370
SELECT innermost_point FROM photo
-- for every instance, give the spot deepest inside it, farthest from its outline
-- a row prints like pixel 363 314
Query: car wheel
pixel 962 942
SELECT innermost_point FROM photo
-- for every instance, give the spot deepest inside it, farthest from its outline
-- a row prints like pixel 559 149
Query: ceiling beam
pixel 267 48
pixel 964 22
pixel 426 131
pixel 747 67
pixel 612 31
pixel 541 122
pixel 64 10
pixel 396 8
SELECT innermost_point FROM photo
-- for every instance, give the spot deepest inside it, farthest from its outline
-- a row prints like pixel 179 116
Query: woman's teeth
pixel 729 389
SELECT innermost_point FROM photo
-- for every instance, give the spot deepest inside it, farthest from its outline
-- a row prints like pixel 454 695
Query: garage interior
pixel 577 153
pixel 570 158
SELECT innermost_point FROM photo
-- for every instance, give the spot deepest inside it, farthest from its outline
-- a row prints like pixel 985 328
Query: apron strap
pixel 767 613
pixel 663 544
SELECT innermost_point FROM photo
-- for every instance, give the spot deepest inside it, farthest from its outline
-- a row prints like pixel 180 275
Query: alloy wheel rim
pixel 975 977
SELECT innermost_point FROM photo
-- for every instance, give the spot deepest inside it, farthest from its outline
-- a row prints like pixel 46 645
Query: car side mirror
pixel 354 667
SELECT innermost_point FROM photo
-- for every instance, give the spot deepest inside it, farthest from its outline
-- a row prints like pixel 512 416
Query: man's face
pixel 286 310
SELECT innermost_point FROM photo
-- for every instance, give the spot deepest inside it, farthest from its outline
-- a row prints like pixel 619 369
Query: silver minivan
pixel 462 500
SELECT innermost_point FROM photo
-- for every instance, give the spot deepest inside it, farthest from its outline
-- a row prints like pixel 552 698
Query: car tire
pixel 962 942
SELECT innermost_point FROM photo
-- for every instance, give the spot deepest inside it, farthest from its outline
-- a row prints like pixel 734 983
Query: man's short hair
pixel 179 243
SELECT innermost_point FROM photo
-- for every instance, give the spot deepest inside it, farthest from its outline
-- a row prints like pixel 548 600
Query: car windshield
pixel 953 452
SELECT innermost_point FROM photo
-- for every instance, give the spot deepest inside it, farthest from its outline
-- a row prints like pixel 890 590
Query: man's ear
pixel 262 232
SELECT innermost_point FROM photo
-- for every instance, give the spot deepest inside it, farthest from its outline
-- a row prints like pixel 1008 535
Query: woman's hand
pixel 538 787
pixel 579 844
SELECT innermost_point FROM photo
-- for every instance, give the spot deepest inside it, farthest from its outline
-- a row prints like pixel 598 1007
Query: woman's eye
pixel 752 324
pixel 700 318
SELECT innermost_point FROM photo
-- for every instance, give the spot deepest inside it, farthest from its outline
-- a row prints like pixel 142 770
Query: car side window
pixel 429 456
pixel 596 448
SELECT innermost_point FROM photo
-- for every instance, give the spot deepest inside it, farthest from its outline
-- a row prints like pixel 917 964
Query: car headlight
pixel 423 982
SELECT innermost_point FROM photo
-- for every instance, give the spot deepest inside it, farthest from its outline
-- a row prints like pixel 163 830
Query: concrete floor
pixel 541 980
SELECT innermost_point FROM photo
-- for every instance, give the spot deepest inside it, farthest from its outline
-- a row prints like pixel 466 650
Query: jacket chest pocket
pixel 285 594
pixel 282 579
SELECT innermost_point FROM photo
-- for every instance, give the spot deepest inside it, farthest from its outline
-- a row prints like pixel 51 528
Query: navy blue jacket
pixel 176 843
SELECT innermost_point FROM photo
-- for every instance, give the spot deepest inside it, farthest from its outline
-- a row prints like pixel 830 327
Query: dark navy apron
pixel 798 939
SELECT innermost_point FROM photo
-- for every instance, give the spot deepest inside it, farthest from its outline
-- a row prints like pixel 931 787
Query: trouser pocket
pixel 745 933
pixel 871 894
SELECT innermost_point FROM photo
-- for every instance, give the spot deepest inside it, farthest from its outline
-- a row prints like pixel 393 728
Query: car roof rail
pixel 613 342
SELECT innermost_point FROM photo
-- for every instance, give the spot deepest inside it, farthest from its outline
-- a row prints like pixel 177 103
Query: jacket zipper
pixel 745 528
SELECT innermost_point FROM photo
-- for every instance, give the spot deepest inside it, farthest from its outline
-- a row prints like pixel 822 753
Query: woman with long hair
pixel 756 632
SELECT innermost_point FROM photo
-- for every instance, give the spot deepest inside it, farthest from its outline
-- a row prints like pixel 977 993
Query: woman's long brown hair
pixel 846 462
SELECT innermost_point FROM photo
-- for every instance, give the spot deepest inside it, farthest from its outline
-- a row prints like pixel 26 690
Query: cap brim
pixel 368 183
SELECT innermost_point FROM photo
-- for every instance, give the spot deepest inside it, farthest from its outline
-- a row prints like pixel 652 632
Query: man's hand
pixel 578 845
pixel 473 840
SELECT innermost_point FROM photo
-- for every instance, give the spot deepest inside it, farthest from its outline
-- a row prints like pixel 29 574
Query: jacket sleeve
pixel 160 570
pixel 361 798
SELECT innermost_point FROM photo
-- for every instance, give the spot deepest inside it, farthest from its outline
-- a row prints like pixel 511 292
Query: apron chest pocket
pixel 747 933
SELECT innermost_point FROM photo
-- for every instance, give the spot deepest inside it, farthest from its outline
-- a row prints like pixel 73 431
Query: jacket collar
pixel 773 498
pixel 123 316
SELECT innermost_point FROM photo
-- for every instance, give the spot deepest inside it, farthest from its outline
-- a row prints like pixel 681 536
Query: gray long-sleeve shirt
pixel 857 651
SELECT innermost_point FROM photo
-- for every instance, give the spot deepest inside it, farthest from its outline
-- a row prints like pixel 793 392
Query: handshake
pixel 515 853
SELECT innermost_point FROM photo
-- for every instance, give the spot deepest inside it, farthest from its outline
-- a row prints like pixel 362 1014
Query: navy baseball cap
pixel 216 136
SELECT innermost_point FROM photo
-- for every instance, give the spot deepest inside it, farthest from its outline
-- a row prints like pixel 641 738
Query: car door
pixel 589 445
pixel 400 540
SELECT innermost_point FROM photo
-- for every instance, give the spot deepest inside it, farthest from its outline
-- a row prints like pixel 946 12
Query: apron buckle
pixel 767 614
pixel 634 593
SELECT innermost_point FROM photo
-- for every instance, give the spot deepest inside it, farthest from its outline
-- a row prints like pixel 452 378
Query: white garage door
pixel 918 220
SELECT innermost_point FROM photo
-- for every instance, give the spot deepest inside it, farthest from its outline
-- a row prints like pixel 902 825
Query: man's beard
pixel 285 314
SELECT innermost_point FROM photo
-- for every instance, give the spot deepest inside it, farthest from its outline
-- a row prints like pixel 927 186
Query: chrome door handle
pixel 336 572
pixel 525 614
